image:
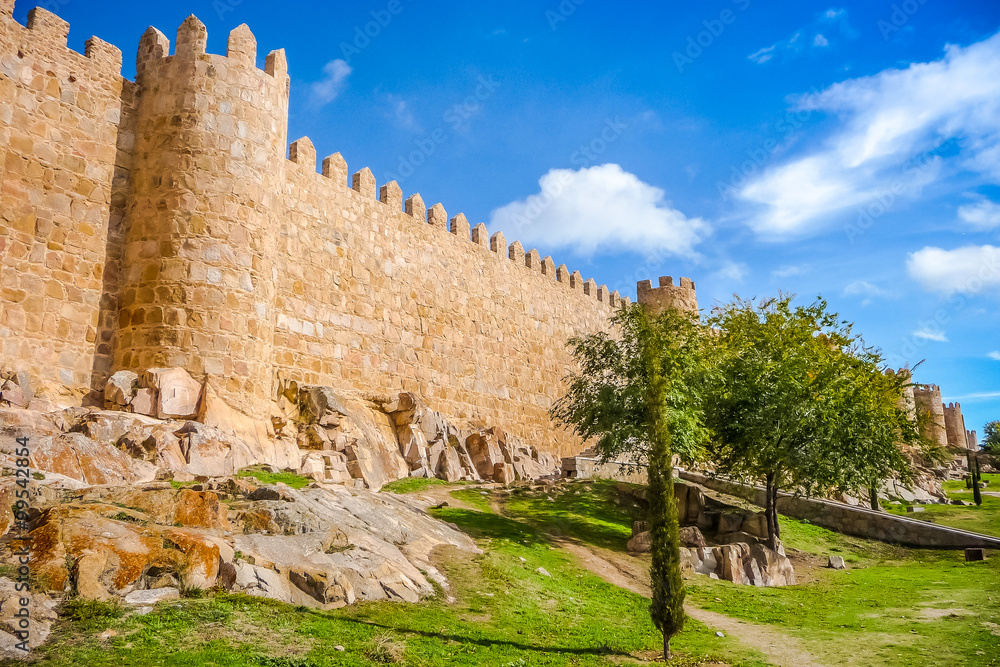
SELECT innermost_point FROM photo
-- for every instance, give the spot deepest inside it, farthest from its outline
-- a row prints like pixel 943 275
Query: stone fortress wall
pixel 162 223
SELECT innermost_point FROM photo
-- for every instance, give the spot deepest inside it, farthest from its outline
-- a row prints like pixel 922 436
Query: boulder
pixel 485 452
pixel 775 568
pixel 692 537
pixel 120 390
pixel 837 563
pixel 78 457
pixel 641 543
pixel 144 402
pixel 177 393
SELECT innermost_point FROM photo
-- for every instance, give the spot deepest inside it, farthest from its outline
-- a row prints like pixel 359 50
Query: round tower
pixel 197 285
pixel 681 297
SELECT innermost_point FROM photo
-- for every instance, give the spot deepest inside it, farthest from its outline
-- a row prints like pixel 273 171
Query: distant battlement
pixel 682 297
pixel 168 222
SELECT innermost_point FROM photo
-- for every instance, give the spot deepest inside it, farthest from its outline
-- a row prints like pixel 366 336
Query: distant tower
pixel 197 281
pixel 682 297
pixel 972 440
pixel 908 402
pixel 955 426
pixel 929 405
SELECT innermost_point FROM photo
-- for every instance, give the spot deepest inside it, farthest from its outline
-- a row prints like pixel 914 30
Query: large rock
pixel 78 457
pixel 120 390
pixel 177 393
pixel 739 563
pixel 359 429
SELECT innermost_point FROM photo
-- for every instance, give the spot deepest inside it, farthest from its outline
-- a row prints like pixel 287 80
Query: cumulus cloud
pixel 888 139
pixel 984 214
pixel 602 209
pixel 995 356
pixel 821 41
pixel 931 334
pixel 334 79
pixel 969 270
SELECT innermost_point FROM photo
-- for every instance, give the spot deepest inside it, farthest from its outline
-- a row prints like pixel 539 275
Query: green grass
pixel 930 608
pixel 506 615
pixel 414 484
pixel 983 519
pixel 287 478
pixel 180 485
pixel 601 515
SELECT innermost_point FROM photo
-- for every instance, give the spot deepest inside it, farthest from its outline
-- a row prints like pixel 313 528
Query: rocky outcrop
pixel 739 563
pixel 321 547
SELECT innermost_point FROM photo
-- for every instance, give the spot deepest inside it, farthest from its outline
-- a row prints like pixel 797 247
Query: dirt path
pixel 632 574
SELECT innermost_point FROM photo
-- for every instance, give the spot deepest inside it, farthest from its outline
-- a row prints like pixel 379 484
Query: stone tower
pixel 954 424
pixel 658 299
pixel 197 284
pixel 928 402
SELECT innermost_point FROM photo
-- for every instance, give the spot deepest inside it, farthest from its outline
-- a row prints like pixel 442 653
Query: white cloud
pixel 731 271
pixel 890 125
pixel 931 334
pixel 995 356
pixel 984 214
pixel 763 55
pixel 867 290
pixel 795 44
pixel 786 272
pixel 600 209
pixel 400 112
pixel 334 79
pixel 863 288
pixel 969 269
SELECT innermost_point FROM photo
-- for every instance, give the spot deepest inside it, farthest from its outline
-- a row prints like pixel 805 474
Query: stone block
pixel 177 393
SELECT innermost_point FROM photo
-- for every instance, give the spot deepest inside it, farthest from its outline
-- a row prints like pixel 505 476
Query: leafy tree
pixel 800 402
pixel 991 438
pixel 637 395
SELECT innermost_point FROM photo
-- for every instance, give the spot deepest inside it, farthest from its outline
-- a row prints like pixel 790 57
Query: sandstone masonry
pixel 161 223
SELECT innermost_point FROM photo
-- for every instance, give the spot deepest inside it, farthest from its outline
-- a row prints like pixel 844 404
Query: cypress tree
pixel 667 607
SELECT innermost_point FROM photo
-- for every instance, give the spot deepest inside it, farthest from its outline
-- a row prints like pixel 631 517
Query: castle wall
pixel 374 298
pixel 60 114
pixel 162 223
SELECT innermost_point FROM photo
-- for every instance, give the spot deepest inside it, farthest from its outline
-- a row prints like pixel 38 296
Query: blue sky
pixel 850 150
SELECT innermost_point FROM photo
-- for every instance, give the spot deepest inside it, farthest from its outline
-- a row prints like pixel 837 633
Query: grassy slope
pixel 984 519
pixel 507 614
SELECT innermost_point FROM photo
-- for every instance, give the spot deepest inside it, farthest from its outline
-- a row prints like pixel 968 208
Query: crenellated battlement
pixel 302 154
pixel 682 297
pixel 192 44
pixel 48 35
pixel 182 228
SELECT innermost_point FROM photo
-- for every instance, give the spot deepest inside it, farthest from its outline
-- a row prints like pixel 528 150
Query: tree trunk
pixel 770 498
pixel 666 647
pixel 873 499
pixel 977 493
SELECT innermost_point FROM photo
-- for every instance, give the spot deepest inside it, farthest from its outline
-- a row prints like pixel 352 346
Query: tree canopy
pixel 800 402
